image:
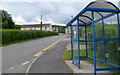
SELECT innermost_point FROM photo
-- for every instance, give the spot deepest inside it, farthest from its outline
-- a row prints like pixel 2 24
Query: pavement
pixel 17 57
pixel 86 67
pixel 51 61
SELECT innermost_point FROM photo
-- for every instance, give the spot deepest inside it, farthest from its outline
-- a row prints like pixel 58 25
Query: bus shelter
pixel 99 24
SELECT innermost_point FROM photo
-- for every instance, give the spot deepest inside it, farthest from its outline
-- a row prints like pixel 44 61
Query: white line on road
pixel 11 68
pixel 39 56
pixel 31 65
pixel 25 63
pixel 9 46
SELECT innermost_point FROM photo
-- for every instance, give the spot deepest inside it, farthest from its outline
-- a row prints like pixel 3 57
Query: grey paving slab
pixel 86 68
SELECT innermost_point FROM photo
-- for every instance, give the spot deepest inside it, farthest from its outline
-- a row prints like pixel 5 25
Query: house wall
pixel 30 28
pixel 47 27
pixel 68 31
pixel 55 28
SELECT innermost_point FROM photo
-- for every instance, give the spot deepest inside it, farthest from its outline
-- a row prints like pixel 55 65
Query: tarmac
pixel 51 61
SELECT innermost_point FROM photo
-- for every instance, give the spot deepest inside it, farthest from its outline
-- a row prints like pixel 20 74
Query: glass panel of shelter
pixel 100 45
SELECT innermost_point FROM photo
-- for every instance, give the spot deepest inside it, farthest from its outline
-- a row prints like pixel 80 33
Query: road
pixel 16 58
pixel 51 61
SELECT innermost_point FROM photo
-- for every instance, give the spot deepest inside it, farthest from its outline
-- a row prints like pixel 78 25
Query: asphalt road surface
pixel 51 61
pixel 16 58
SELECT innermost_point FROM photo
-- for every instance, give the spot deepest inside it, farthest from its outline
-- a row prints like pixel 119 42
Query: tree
pixel 7 22
pixel 17 27
pixel 61 29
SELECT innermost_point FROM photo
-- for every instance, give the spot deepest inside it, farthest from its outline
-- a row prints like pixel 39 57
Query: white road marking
pixel 25 63
pixel 36 59
pixel 31 65
pixel 9 46
pixel 11 68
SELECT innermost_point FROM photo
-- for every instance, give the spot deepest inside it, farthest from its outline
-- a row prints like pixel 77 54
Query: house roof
pixel 36 25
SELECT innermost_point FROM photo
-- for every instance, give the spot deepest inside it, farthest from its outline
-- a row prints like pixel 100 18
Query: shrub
pixel 12 35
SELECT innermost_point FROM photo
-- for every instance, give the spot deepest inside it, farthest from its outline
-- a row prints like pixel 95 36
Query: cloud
pixel 18 19
pixel 67 10
pixel 53 0
pixel 54 12
pixel 47 6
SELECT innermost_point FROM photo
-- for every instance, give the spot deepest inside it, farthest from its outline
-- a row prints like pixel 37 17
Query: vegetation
pixel 12 35
pixel 112 47
pixel 67 53
pixel 6 21
pixel 61 29
pixel 67 56
pixel 17 27
pixel 111 31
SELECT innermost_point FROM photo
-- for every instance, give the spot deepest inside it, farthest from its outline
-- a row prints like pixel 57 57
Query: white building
pixel 68 31
pixel 46 27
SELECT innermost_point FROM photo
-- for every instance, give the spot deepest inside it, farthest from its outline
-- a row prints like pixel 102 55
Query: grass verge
pixel 67 56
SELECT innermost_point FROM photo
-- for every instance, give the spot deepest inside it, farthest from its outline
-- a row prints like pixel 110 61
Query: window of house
pixel 45 28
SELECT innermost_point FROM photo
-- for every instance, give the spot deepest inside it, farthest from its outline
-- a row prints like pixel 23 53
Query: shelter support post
pixel 86 41
pixel 94 44
pixel 118 18
pixel 71 35
pixel 91 15
pixel 78 43
pixel 104 43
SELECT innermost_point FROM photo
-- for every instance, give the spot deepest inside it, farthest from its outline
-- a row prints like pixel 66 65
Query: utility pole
pixel 41 23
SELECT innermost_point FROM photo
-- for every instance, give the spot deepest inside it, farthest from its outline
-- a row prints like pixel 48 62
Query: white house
pixel 46 27
pixel 68 31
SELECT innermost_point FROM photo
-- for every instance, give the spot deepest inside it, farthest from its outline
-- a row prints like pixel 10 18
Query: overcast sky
pixel 53 11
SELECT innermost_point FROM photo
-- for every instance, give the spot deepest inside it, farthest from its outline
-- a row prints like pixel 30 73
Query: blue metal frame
pixel 103 32
pixel 71 28
pixel 86 17
pixel 94 9
pixel 94 39
pixel 102 18
pixel 102 10
pixel 94 44
pixel 82 22
pixel 104 62
pixel 118 18
pixel 82 40
pixel 107 69
pixel 78 42
pixel 86 42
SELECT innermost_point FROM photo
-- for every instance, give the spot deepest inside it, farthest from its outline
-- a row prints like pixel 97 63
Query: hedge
pixel 12 35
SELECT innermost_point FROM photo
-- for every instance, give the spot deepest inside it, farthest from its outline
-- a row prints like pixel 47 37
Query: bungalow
pixel 68 31
pixel 46 27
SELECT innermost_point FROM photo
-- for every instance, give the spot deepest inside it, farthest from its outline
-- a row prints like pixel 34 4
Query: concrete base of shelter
pixel 86 67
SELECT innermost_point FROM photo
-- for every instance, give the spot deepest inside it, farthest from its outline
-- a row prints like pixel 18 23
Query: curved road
pixel 16 58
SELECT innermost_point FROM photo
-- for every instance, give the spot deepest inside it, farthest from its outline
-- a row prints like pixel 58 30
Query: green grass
pixel 67 56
